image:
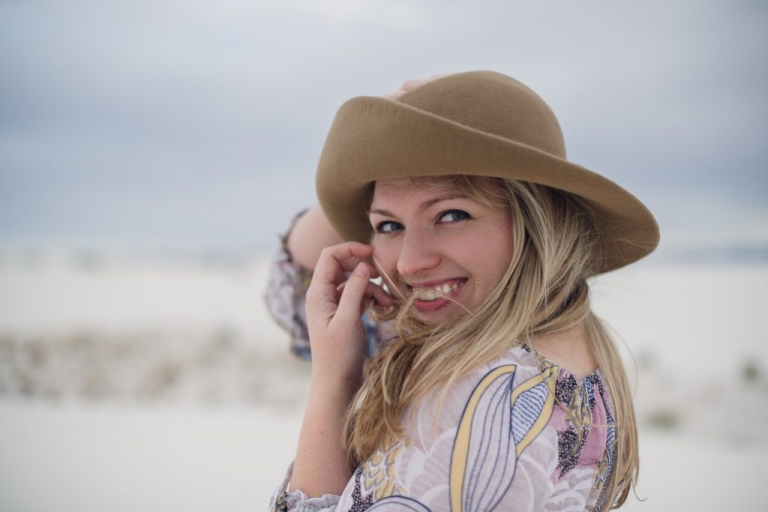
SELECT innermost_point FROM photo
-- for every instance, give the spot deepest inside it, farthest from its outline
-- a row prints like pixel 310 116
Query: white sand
pixel 694 331
pixel 81 459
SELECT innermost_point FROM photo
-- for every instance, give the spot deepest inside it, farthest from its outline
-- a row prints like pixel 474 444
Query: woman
pixel 497 387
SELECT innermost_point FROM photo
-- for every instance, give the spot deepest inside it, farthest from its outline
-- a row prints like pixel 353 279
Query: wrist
pixel 337 374
pixel 331 388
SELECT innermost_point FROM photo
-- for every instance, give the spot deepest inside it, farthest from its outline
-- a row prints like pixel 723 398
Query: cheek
pixel 386 259
pixel 489 253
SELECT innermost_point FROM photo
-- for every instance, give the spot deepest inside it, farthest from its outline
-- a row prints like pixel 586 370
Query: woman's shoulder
pixel 510 423
pixel 560 425
pixel 565 385
pixel 532 385
pixel 582 406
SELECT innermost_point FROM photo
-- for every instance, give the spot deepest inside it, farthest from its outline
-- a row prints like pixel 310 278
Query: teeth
pixel 429 294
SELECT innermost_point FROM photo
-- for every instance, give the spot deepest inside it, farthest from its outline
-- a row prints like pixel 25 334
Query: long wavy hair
pixel 543 291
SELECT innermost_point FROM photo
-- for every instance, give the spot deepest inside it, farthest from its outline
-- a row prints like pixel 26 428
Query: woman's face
pixel 430 238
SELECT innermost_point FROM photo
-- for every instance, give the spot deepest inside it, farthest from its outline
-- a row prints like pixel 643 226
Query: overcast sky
pixel 190 124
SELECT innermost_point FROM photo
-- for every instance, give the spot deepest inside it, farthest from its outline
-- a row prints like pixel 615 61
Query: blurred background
pixel 152 152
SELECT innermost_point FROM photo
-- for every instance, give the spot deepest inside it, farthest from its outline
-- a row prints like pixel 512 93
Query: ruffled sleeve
pixel 296 501
pixel 286 294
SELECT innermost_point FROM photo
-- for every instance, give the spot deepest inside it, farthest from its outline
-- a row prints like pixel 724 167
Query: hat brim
pixel 375 139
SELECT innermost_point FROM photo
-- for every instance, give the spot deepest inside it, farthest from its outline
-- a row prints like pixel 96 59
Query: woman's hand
pixel 337 338
pixel 334 307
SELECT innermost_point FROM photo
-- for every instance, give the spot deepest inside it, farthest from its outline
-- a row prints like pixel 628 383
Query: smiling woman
pixel 491 383
pixel 440 243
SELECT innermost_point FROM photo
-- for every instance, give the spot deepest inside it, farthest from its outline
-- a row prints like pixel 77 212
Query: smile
pixel 432 293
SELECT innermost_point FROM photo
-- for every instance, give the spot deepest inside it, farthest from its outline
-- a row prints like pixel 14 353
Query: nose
pixel 418 253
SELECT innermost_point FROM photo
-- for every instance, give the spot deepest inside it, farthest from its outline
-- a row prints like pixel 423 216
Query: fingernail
pixel 359 269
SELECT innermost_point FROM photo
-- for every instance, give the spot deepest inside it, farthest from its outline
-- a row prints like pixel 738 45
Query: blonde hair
pixel 543 291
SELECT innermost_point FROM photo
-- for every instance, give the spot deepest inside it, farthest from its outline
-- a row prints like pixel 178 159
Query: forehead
pixel 486 191
pixel 402 188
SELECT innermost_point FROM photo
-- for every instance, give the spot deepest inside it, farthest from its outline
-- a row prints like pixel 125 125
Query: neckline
pixel 543 363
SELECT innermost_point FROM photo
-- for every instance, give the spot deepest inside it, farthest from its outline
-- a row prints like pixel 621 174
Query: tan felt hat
pixel 478 123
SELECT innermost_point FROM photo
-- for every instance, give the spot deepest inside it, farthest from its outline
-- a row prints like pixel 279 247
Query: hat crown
pixel 491 103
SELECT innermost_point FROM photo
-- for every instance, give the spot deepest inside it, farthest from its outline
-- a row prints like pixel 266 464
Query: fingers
pixel 353 294
pixel 412 84
pixel 373 291
pixel 409 85
pixel 378 294
pixel 323 295
pixel 336 260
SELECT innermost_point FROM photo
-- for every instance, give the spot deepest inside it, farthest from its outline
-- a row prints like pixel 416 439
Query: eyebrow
pixel 426 205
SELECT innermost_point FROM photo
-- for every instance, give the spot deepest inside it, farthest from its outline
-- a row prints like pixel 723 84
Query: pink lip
pixel 433 305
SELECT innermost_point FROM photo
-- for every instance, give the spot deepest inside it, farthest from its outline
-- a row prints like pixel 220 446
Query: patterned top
pixel 519 434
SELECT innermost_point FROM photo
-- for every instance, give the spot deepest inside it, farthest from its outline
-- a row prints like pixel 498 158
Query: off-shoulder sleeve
pixel 285 297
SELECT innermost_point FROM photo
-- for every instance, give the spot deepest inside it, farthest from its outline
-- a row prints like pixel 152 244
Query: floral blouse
pixel 518 434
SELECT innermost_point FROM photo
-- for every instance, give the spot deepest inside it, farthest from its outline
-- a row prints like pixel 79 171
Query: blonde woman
pixel 494 387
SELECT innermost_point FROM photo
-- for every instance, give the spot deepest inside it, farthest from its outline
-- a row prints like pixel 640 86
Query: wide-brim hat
pixel 478 123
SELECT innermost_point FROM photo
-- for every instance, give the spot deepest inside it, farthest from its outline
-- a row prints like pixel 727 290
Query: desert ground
pixel 163 384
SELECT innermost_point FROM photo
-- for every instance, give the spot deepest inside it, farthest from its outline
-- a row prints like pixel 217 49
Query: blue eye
pixel 386 227
pixel 452 216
